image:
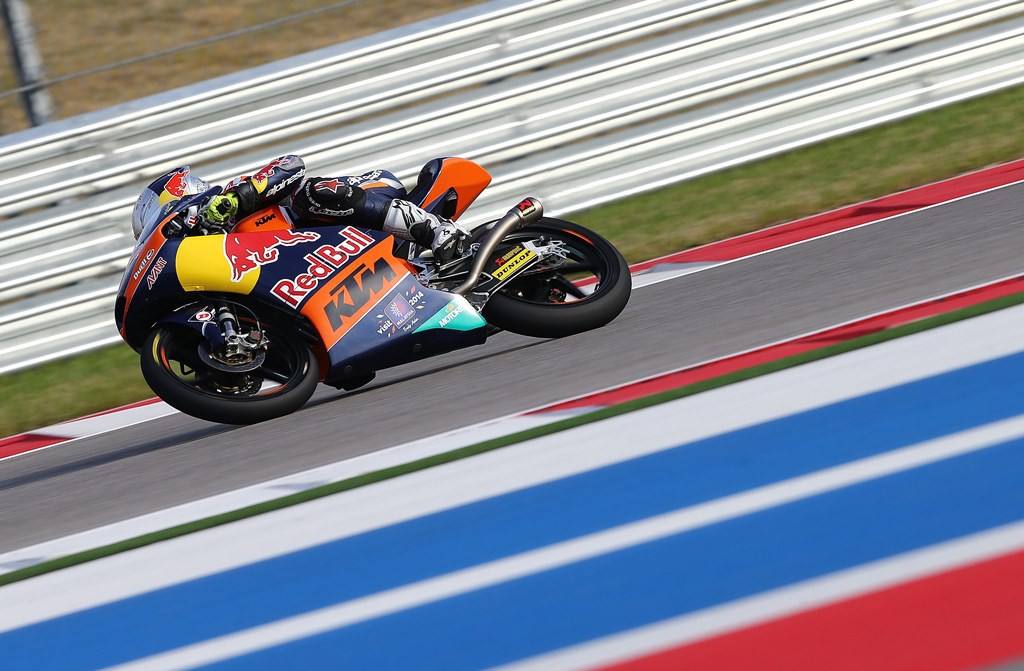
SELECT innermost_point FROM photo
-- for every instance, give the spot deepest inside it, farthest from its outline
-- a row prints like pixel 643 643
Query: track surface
pixel 675 323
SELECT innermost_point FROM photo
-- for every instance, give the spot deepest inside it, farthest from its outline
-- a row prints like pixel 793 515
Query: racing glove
pixel 221 208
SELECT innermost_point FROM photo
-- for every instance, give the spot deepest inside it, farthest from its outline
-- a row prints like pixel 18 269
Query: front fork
pixel 225 346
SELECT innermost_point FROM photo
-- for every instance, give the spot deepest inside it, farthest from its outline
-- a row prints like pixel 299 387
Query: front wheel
pixel 586 290
pixel 174 368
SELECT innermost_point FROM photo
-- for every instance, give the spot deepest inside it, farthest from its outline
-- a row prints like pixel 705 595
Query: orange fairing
pixel 143 261
pixel 272 218
pixel 352 293
pixel 466 177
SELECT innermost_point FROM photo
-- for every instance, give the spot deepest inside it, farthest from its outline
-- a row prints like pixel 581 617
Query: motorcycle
pixel 240 326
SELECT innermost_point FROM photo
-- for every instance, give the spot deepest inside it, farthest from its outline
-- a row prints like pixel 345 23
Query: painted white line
pixel 97 425
pixel 782 602
pixel 580 549
pixel 513 468
pixel 273 489
pixel 107 422
pixel 304 480
pixel 663 273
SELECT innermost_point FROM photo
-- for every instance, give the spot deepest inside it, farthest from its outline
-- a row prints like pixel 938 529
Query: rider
pixel 373 200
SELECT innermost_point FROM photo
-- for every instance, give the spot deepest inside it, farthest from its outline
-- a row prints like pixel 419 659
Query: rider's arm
pixel 244 195
pixel 270 184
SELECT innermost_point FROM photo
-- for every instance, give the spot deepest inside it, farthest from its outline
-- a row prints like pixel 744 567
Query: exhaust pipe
pixel 527 212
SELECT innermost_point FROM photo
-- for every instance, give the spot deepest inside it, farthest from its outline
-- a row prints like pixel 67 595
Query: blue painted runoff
pixel 648 583
pixel 521 521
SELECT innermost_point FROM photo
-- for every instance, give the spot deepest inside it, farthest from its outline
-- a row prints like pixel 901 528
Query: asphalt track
pixel 683 321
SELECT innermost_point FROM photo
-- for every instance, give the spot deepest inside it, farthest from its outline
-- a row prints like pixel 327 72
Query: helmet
pixel 155 200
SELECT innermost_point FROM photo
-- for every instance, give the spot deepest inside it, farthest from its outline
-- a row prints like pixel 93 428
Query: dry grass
pixel 76 35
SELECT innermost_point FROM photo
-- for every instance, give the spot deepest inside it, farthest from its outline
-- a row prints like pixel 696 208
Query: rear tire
pixel 527 305
pixel 175 372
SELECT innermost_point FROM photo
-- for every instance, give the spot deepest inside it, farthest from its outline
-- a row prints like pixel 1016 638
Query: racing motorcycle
pixel 240 326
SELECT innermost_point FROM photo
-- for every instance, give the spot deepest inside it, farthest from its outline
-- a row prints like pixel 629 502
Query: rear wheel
pixel 175 368
pixel 585 291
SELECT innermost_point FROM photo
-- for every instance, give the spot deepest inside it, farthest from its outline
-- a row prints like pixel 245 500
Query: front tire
pixel 558 302
pixel 174 370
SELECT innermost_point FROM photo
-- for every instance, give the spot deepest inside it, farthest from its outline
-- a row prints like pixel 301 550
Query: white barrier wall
pixel 577 101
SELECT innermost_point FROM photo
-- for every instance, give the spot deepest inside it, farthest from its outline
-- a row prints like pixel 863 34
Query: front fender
pixel 199 317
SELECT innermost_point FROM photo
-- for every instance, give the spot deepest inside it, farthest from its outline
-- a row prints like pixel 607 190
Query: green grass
pixel 504 441
pixel 70 388
pixel 870 164
pixel 926 148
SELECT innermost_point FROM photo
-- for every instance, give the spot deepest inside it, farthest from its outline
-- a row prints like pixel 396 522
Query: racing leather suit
pixel 373 200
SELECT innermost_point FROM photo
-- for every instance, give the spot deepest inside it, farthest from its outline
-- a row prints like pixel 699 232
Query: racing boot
pixel 446 239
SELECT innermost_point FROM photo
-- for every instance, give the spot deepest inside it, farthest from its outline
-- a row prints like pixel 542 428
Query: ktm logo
pixel 356 291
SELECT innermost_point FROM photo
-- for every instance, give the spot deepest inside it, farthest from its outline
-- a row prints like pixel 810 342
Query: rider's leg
pixel 334 201
pixel 445 238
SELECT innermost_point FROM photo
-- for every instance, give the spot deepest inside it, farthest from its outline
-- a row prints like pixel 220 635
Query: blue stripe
pixel 687 572
pixel 525 520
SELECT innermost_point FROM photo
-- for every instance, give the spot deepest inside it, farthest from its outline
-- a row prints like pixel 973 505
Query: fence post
pixel 27 61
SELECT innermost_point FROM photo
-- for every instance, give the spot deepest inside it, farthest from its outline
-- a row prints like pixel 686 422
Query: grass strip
pixel 505 441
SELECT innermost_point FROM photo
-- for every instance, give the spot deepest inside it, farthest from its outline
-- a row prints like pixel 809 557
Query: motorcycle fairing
pixel 405 325
pixel 447 186
pixel 370 314
pixel 150 260
pixel 457 315
pixel 361 300
pixel 348 295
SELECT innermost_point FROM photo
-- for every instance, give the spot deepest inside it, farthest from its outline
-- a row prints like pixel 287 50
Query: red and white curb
pixel 84 427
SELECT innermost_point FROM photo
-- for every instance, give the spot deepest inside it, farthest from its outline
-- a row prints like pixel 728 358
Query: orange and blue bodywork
pixel 449 185
pixel 359 305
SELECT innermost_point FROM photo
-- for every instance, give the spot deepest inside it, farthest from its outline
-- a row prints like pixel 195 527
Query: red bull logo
pixel 323 263
pixel 259 180
pixel 176 183
pixel 248 251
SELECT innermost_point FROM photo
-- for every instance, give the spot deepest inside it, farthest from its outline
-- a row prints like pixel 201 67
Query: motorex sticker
pixel 458 315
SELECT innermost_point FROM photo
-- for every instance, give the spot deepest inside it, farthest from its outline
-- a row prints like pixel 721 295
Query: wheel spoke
pixel 568 287
pixel 273 375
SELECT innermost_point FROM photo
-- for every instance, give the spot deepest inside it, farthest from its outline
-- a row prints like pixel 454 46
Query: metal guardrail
pixel 579 102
